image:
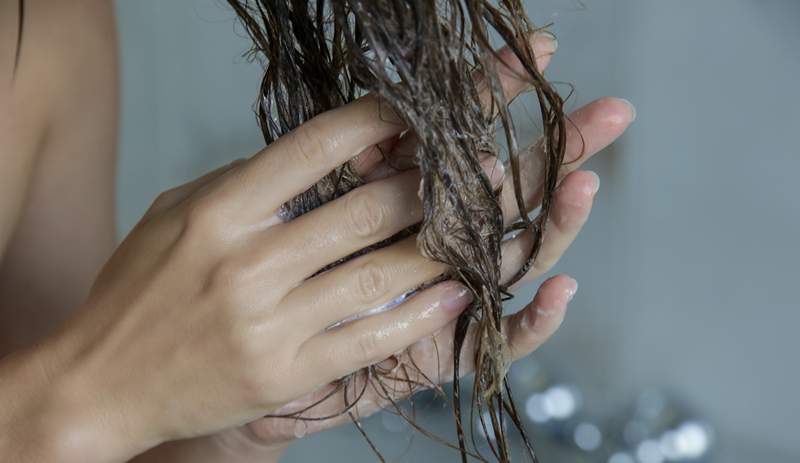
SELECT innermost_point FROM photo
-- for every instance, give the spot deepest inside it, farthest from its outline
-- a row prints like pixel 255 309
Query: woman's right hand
pixel 205 318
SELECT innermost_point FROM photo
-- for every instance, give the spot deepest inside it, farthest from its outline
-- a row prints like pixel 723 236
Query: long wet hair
pixel 419 57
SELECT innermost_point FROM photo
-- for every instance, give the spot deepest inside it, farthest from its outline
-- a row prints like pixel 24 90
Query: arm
pixel 79 393
pixel 58 144
pixel 57 148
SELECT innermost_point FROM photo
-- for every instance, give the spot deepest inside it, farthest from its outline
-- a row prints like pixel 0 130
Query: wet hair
pixel 20 29
pixel 419 57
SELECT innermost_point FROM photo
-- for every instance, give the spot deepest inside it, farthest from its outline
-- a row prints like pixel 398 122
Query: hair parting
pixel 419 57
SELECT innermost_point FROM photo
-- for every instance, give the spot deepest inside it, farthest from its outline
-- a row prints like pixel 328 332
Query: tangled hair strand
pixel 419 57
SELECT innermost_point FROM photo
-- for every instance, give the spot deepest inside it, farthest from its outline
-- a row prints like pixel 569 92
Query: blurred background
pixel 682 342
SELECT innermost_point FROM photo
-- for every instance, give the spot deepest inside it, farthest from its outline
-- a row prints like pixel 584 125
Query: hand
pixel 593 127
pixel 206 317
pixel 600 122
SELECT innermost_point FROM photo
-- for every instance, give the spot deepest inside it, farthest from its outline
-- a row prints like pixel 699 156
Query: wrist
pixel 53 417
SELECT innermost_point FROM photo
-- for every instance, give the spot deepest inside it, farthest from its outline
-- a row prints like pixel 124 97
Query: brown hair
pixel 20 28
pixel 418 56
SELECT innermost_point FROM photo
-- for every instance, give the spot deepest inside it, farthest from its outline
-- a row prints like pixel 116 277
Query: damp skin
pixel 198 291
pixel 442 108
pixel 389 305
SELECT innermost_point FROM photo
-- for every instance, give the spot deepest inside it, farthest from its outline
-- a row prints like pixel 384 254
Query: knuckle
pixel 203 217
pixel 165 198
pixel 365 213
pixel 372 282
pixel 308 144
pixel 227 282
pixel 366 349
pixel 237 162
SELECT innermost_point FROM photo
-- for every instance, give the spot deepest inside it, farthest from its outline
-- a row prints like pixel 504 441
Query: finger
pixel 362 217
pixel 529 328
pixel 513 80
pixel 525 331
pixel 589 130
pixel 331 405
pixel 426 364
pixel 367 283
pixel 298 159
pixel 367 341
pixel 321 409
pixel 572 205
pixel 367 162
pixel 325 408
pixel 174 196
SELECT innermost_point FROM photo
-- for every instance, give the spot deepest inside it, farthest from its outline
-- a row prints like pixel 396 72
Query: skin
pixel 205 318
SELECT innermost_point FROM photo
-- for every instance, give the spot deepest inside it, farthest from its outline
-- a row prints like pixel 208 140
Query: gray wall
pixel 689 264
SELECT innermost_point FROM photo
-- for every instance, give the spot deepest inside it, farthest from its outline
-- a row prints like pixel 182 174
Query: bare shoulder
pixel 67 52
pixel 58 132
pixel 75 40
pixel 58 76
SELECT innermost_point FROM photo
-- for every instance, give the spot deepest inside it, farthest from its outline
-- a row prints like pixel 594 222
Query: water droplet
pixel 300 428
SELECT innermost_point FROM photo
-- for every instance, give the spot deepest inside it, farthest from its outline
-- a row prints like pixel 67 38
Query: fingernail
pixel 494 169
pixel 632 108
pixel 456 297
pixel 596 185
pixel 549 45
pixel 572 288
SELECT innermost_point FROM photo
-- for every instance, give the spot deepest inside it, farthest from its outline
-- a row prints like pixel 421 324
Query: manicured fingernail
pixel 549 45
pixel 494 169
pixel 632 108
pixel 456 297
pixel 572 288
